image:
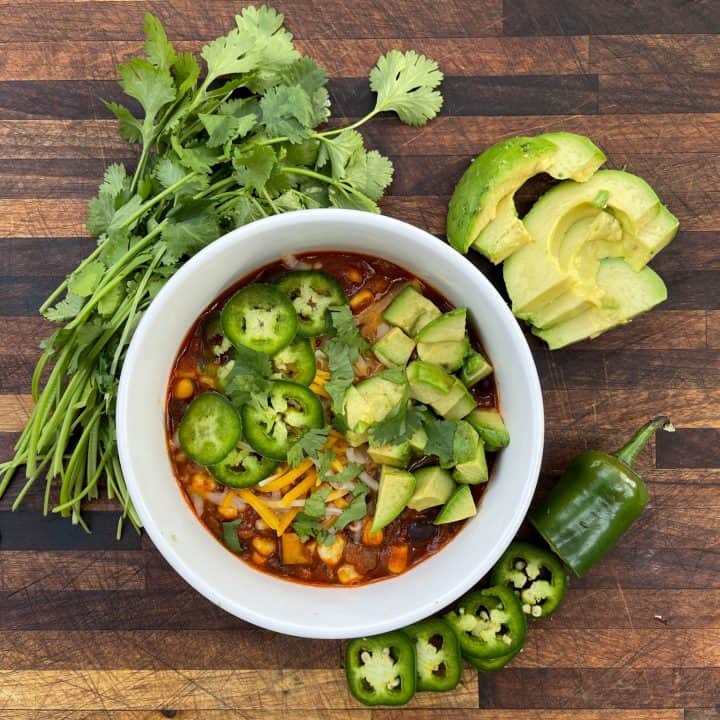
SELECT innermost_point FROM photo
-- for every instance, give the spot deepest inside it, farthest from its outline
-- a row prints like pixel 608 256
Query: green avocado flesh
pixel 482 209
pixel 628 294
pixel 396 488
pixel 433 487
pixel 575 227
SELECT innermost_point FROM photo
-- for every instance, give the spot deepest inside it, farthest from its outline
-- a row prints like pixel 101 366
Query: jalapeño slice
pixel 535 575
pixel 275 421
pixel 312 294
pixel 492 664
pixel 381 669
pixel 489 623
pixel 259 317
pixel 209 429
pixel 296 362
pixel 242 468
pixel 437 655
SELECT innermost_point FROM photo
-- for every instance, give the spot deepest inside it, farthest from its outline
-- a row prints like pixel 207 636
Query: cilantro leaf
pixel 307 445
pixel 347 331
pixel 307 523
pixel 84 282
pixel 229 55
pixel 342 374
pixel 339 150
pixel 440 442
pixel 151 86
pixel 159 50
pixel 315 504
pixel 253 167
pixel 398 427
pixel 308 75
pixel 346 475
pixel 370 173
pixel 357 510
pixel 405 83
pixel 287 111
pixel 130 126
pixel 192 226
pixel 225 128
pixel 66 309
pixel 325 459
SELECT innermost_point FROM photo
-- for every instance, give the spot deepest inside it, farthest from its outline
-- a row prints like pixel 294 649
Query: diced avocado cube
pixel 410 311
pixel 428 382
pixel 475 368
pixel 465 442
pixel 460 506
pixel 448 327
pixel 490 427
pixel 357 408
pixel 355 439
pixel 418 440
pixel 475 470
pixel 371 400
pixel 448 354
pixel 433 486
pixel 396 488
pixel 464 403
pixel 394 348
pixel 387 454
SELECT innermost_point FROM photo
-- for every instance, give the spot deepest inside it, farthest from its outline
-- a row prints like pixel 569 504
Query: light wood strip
pixel 713 328
pixel 623 648
pixel 273 690
pixel 627 134
pixel 71 570
pixel 94 60
pixel 14 412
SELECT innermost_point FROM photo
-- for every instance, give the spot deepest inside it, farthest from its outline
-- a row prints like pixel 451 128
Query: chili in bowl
pixel 345 403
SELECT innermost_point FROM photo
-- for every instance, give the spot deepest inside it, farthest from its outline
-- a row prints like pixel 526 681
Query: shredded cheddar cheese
pixel 300 489
pixel 287 477
pixel 261 508
pixel 286 520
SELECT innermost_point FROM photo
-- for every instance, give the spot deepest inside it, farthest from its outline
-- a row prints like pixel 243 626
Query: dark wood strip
pixel 629 369
pixel 661 92
pixel 98 60
pixel 23 296
pixel 586 17
pixel 695 448
pixel 600 688
pixel 713 328
pixel 25 530
pixel 545 714
pixel 206 19
pixel 503 95
pixel 622 54
pixel 50 257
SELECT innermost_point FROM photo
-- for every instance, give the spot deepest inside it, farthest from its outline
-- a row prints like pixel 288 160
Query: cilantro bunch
pixel 220 144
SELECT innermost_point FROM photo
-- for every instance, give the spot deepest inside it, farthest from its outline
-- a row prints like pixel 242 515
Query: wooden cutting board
pixel 92 628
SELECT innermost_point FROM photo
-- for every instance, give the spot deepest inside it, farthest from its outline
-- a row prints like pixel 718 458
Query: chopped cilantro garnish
pixel 441 434
pixel 307 445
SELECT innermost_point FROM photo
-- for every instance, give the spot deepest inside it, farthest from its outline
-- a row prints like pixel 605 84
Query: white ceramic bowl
pixel 266 600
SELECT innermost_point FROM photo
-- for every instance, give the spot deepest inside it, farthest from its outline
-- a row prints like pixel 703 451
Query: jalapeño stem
pixel 639 440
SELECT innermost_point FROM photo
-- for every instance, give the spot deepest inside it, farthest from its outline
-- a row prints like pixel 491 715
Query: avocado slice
pixel 433 486
pixel 465 442
pixel 482 210
pixel 475 368
pixel 428 382
pixel 396 488
pixel 489 425
pixel 463 405
pixel 448 355
pixel 410 311
pixel 387 454
pixel 628 294
pixel 371 400
pixel 448 327
pixel 571 234
pixel 475 470
pixel 394 348
pixel 460 506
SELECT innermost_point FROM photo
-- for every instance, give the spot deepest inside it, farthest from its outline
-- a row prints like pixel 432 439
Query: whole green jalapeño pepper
pixel 595 502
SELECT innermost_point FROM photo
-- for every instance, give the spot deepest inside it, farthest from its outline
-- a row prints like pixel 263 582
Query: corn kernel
pixel 202 482
pixel 183 389
pixel 371 538
pixel 258 559
pixel 353 275
pixel 332 554
pixel 264 545
pixel 397 559
pixel 361 299
pixel 347 574
pixel 229 512
pixel 341 503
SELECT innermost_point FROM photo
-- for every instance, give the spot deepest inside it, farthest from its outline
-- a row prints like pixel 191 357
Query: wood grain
pixel 94 629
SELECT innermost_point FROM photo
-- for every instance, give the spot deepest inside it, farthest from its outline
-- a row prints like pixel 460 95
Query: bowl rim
pixel 297 626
